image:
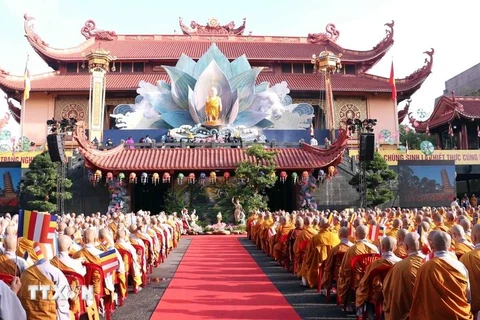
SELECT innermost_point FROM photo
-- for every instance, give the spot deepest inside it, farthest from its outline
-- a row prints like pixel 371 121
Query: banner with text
pixel 461 157
pixel 24 157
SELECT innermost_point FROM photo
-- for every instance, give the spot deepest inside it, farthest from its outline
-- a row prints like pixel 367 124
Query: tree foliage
pixel 254 177
pixel 407 134
pixel 40 185
pixel 379 178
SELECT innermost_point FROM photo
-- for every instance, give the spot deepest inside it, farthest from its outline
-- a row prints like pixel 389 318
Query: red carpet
pixel 218 279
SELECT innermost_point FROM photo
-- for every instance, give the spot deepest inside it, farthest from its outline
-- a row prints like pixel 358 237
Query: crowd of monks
pixel 140 241
pixel 394 263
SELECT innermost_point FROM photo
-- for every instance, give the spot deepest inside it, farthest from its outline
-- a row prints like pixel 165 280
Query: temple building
pixel 129 85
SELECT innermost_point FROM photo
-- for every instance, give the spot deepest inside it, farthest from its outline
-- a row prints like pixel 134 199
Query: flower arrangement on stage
pixel 308 185
pixel 119 201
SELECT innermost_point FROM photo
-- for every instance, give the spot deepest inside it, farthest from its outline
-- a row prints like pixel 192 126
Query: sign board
pixel 24 157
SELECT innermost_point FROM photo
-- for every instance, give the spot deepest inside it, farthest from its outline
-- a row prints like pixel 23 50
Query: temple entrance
pixel 282 196
pixel 149 197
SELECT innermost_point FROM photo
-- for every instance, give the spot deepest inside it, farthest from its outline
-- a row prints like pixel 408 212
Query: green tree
pixel 414 138
pixel 378 180
pixel 40 185
pixel 253 177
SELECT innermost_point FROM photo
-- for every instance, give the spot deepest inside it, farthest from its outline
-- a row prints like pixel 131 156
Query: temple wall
pixel 39 108
pixel 381 108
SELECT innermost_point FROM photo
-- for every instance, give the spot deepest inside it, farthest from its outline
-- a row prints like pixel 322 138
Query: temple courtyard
pixel 225 277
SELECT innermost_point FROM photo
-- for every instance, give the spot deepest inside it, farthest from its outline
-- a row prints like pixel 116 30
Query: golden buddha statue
pixel 213 106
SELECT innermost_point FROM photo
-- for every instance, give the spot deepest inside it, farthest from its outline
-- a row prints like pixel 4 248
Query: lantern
pixel 203 177
pixel 305 176
pixel 144 178
pixel 166 177
pixel 155 178
pixel 180 178
pixel 133 177
pixel 283 176
pixel 109 176
pixel 273 175
pixel 213 177
pixel 331 171
pixel 97 176
pixel 226 176
pixel 191 178
pixel 121 176
pixel 294 177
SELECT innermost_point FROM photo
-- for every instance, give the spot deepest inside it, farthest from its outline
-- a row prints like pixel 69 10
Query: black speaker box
pixel 56 149
pixel 367 146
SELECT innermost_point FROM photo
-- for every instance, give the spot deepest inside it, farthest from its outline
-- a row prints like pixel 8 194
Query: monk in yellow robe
pixel 65 263
pixel 471 260
pixel 176 233
pixel 331 265
pixel 25 245
pixel 441 289
pixel 10 263
pixel 282 238
pixel 396 225
pixel 398 284
pixel 301 243
pixel 123 244
pixel 400 249
pixel 262 239
pixel 317 252
pixel 248 227
pixel 362 246
pixel 370 287
pixel 439 225
pixel 256 227
pixel 106 239
pixel 43 274
pixel 462 245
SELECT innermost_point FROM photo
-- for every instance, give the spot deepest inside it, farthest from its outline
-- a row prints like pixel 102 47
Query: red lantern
pixel 226 176
pixel 191 178
pixel 283 176
pixel 166 177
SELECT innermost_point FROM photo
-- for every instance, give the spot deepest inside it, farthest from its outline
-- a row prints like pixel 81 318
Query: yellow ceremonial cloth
pixel 398 288
pixel 26 245
pixel 316 253
pixel 37 308
pixel 400 251
pixel 330 271
pixel 345 273
pixel 462 248
pixel 449 224
pixel 281 240
pixel 8 266
pixel 471 260
pixel 176 234
pixel 392 233
pixel 96 278
pixel 440 293
pixel 370 287
pixel 299 249
pixel 442 227
pixel 114 227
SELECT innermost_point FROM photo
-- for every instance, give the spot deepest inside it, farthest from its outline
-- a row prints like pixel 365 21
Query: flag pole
pixel 25 96
pixel 394 96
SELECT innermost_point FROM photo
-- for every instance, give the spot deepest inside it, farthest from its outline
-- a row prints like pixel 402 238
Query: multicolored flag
pixel 37 226
pixel 39 252
pixel 108 261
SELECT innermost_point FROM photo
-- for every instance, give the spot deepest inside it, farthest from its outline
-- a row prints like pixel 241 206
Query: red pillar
pixel 464 137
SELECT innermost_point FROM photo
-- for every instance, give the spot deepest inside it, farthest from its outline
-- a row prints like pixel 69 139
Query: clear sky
pixel 433 172
pixel 15 173
pixel 448 27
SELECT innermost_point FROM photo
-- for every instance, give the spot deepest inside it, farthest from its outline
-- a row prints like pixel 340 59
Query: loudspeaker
pixel 56 148
pixel 367 146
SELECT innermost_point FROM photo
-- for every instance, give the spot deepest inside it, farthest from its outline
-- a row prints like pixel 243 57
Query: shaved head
pixel 343 233
pixel 412 242
pixel 388 244
pixel 64 243
pixel 441 241
pixel 401 235
pixel 323 223
pixel 10 243
pixel 476 234
pixel 458 232
pixel 362 231
pixel 307 221
pixel 89 236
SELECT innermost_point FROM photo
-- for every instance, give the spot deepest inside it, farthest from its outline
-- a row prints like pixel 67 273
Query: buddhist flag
pixel 330 217
pixel 26 79
pixel 352 218
pixel 37 226
pixel 39 253
pixel 392 83
pixel 108 261
pixel 374 232
pixel 351 230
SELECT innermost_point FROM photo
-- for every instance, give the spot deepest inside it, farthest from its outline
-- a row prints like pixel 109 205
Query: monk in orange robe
pixel 397 225
pixel 10 263
pixel 25 245
pixel 441 289
pixel 256 227
pixel 281 238
pixel 106 240
pixel 398 284
pixel 439 225
pixel 331 265
pixel 123 243
pixel 400 250
pixel 317 252
pixel 301 243
pixel 248 226
pixel 370 287
pixel 471 260
pixel 362 246
pixel 462 245
pixel 263 235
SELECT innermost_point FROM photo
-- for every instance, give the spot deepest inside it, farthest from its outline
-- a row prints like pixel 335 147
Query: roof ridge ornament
pixel 89 30
pixel 30 32
pixel 213 27
pixel 426 69
pixel 331 34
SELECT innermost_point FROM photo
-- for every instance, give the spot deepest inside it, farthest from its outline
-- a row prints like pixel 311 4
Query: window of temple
pixel 298 68
pixel 83 67
pixel 308 68
pixel 72 67
pixel 349 68
pixel 286 68
pixel 139 67
pixel 127 67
